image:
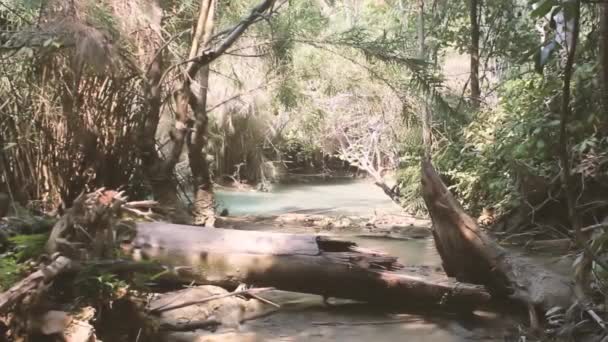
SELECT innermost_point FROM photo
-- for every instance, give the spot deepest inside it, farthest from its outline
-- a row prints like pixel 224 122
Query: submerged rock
pixel 187 309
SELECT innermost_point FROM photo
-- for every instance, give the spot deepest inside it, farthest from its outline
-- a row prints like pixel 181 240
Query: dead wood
pixel 296 262
pixel 33 282
pixel 173 306
pixel 86 230
pixel 470 255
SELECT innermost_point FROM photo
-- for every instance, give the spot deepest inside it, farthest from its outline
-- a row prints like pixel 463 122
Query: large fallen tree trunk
pixel 470 255
pixel 300 263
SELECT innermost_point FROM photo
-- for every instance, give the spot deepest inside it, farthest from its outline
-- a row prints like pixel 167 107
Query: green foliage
pixel 298 148
pixel 301 18
pixel 99 15
pixel 288 95
pixel 409 187
pixel 22 249
pixel 104 286
pixel 29 246
pixel 520 134
pixel 10 272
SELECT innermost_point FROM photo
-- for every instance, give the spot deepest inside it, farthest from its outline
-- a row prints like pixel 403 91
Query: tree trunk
pixel 4 203
pixel 300 263
pixel 421 31
pixel 474 52
pixel 427 117
pixel 186 98
pixel 470 255
pixel 159 170
pixel 204 204
pixel 603 55
pixel 583 269
pixel 192 129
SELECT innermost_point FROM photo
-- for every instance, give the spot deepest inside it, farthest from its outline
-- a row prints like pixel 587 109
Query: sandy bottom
pixel 306 318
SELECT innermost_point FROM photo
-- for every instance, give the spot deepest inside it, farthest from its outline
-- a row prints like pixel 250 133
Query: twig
pixel 264 300
pixel 15 12
pixel 393 321
pixel 210 298
pixel 594 227
pixel 84 231
pixel 141 204
pixel 165 45
pixel 597 319
pixel 138 212
pixel 237 96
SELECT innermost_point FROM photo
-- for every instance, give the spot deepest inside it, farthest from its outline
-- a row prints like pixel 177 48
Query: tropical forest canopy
pixel 312 80
pixel 168 99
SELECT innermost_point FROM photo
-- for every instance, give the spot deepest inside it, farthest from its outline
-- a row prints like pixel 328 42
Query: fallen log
pixel 33 282
pixel 470 255
pixel 299 263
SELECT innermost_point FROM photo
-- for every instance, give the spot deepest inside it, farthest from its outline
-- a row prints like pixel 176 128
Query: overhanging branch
pixel 232 35
pixel 209 55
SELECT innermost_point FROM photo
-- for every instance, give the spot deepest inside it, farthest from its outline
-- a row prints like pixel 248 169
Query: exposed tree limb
pixel 32 282
pixel 474 53
pixel 566 113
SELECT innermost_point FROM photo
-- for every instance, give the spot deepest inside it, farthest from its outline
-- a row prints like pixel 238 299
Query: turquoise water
pixel 344 197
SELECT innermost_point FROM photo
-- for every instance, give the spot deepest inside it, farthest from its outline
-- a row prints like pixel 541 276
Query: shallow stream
pixel 329 198
pixel 306 318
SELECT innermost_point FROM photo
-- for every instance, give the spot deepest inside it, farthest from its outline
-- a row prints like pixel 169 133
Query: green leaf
pixel 540 144
pixel 543 8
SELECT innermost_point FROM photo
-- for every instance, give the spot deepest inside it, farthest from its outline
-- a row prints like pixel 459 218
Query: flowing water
pixel 306 318
pixel 332 198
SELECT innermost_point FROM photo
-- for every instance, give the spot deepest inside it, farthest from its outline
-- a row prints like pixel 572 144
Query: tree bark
pixel 4 203
pixel 603 55
pixel 427 117
pixel 584 268
pixel 33 282
pixel 474 52
pixel 566 113
pixel 159 169
pixel 204 204
pixel 301 263
pixel 470 255
pixel 421 30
